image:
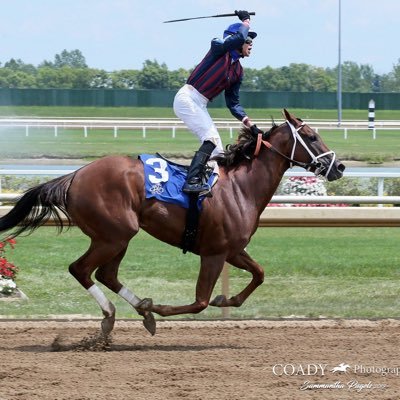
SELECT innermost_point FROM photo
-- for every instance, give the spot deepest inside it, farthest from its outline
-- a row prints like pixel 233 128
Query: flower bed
pixel 8 271
pixel 304 186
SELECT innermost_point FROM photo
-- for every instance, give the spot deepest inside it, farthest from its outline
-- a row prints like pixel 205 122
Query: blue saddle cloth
pixel 164 180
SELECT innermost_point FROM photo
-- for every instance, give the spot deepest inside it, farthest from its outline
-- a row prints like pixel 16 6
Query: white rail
pixel 168 122
pixel 335 199
pixel 388 217
pixel 173 124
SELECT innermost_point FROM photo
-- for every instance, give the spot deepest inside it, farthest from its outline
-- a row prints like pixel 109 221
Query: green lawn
pixel 165 112
pixel 42 142
pixel 333 272
pixel 72 144
pixel 361 146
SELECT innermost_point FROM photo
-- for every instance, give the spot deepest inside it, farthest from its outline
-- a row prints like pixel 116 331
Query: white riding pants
pixel 191 107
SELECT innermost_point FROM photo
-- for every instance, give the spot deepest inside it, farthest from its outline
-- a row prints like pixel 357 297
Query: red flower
pixel 7 269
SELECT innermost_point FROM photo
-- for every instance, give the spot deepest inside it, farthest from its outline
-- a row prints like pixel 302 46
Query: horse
pixel 106 200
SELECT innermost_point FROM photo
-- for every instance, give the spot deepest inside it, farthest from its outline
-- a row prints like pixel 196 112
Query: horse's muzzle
pixel 336 171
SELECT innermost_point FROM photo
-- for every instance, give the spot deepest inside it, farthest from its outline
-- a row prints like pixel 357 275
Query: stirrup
pixel 197 188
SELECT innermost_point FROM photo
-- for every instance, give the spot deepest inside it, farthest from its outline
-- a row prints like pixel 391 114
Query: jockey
pixel 220 70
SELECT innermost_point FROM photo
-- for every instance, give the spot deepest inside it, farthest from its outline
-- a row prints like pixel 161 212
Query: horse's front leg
pixel 210 270
pixel 242 261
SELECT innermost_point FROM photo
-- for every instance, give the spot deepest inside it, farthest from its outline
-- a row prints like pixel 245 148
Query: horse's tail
pixel 37 205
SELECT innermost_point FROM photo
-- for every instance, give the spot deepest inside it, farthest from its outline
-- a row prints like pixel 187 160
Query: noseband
pixel 314 164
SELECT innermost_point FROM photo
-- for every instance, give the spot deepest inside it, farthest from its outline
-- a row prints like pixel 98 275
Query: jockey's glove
pixel 242 14
pixel 255 131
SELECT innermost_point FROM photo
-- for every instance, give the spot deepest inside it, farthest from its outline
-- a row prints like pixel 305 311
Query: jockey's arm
pixel 233 103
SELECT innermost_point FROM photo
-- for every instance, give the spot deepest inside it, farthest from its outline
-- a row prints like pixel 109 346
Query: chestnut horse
pixel 106 200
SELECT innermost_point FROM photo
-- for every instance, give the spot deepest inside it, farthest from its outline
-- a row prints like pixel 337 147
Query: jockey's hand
pixel 242 15
pixel 255 131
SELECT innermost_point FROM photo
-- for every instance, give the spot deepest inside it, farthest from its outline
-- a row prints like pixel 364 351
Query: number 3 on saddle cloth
pixel 164 181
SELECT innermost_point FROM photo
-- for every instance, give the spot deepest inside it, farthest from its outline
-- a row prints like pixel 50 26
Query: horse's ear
pixel 289 117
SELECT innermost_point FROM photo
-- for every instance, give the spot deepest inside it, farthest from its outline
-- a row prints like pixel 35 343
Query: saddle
pixel 185 167
pixel 164 180
pixel 207 172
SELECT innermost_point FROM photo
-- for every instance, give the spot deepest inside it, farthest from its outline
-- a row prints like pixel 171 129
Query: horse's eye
pixel 313 138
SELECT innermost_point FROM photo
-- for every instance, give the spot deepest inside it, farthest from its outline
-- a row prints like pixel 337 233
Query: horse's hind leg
pixel 107 274
pixel 82 269
pixel 242 261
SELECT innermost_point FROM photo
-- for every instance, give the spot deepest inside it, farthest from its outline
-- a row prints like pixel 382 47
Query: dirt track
pixel 200 360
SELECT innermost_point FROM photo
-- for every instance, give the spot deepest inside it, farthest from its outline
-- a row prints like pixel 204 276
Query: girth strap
pixel 192 223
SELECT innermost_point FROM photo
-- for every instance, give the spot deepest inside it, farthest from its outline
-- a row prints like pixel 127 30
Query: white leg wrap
pixel 100 297
pixel 129 296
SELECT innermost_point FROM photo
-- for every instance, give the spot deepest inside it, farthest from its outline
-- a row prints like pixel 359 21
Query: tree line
pixel 69 70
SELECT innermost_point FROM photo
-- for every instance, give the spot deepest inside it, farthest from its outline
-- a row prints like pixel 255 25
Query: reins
pixel 268 145
pixel 296 137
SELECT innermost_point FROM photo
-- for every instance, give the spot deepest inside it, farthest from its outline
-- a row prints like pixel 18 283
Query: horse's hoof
pixel 107 325
pixel 145 305
pixel 219 301
pixel 149 323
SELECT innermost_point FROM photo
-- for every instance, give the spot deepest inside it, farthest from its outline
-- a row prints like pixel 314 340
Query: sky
pixel 122 34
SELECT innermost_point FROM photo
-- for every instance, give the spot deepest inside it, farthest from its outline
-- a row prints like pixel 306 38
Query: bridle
pixel 314 165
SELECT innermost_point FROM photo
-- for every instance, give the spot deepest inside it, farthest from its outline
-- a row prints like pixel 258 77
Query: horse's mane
pixel 242 150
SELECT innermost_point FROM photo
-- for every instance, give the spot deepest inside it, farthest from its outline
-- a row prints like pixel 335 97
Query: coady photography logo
pixel 345 376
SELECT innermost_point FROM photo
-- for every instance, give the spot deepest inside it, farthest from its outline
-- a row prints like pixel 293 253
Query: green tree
pixel 298 77
pixel 72 59
pixel 83 77
pixel 65 77
pixel 19 65
pixel 101 80
pixel 368 77
pixel 269 78
pixel 69 70
pixel 153 75
pixel 48 77
pixel 177 78
pixel 322 81
pixel 396 75
pixel 391 82
pixel 124 79
pixel 250 79
pixel 16 79
pixel 357 78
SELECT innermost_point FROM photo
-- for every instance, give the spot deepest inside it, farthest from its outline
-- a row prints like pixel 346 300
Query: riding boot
pixel 195 182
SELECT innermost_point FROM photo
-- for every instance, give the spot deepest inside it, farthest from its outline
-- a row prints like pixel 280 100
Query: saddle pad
pixel 164 181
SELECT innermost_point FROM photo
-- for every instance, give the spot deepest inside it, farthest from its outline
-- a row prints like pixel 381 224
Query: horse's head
pixel 309 151
pixel 294 141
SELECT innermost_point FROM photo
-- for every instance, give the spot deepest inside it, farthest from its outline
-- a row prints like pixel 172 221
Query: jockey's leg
pixel 195 178
pixel 191 107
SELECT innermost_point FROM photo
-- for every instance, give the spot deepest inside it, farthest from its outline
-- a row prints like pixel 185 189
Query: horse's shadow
pixel 79 347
